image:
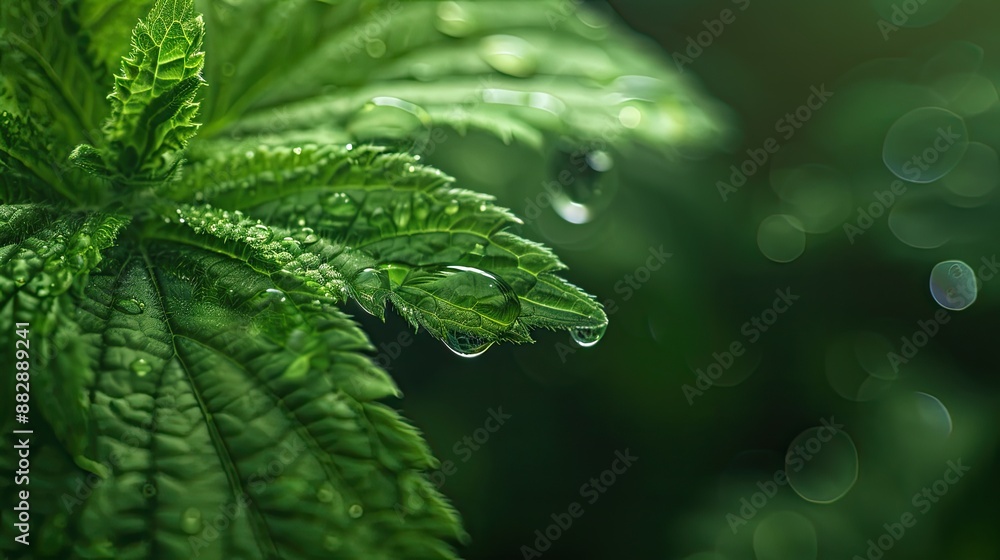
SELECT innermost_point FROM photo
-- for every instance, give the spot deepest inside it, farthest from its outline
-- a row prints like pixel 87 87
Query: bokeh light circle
pixel 822 464
pixel 925 144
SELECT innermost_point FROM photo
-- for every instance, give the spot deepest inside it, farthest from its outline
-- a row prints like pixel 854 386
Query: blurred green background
pixel 699 455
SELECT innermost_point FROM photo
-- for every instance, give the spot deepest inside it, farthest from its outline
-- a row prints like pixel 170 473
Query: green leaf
pixel 519 69
pixel 47 253
pixel 152 104
pixel 228 395
pixel 46 66
pixel 442 254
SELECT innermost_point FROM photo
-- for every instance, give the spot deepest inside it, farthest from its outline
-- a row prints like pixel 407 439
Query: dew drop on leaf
pixel 588 336
pixel 140 367
pixel 355 511
pixel 451 208
pixel 453 19
pixel 509 54
pixel 130 306
pixel 148 490
pixel 467 345
pixel 191 521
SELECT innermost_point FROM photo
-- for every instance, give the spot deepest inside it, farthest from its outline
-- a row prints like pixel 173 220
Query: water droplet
pixel 585 184
pixel 451 208
pixel 453 19
pixel 140 367
pixel 509 54
pixel 375 48
pixel 925 144
pixel 401 214
pixel 355 511
pixel 822 464
pixel 261 233
pixel 953 285
pixel 467 345
pixel 588 336
pixel 265 298
pixel 325 493
pixel 340 205
pixel 130 306
pixel 191 521
pixel 148 490
pixel 297 150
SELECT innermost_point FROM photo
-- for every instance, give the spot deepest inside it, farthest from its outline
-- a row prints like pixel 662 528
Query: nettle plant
pixel 181 249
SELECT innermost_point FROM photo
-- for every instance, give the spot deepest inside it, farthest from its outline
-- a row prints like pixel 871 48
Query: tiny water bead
pixel 130 306
pixel 588 336
pixel 509 54
pixel 953 285
pixel 355 511
pixel 781 238
pixel 191 521
pixel 149 490
pixel 140 367
pixel 925 144
pixel 467 345
pixel 584 183
pixel 822 464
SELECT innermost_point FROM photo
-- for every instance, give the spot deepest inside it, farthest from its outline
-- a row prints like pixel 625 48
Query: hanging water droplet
pixel 355 511
pixel 191 521
pixel 148 490
pixel 588 336
pixel 585 184
pixel 371 288
pixel 509 54
pixel 140 367
pixel 467 345
pixel 130 306
pixel 451 208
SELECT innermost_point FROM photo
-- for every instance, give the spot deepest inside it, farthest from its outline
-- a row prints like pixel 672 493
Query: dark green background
pixel 697 460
